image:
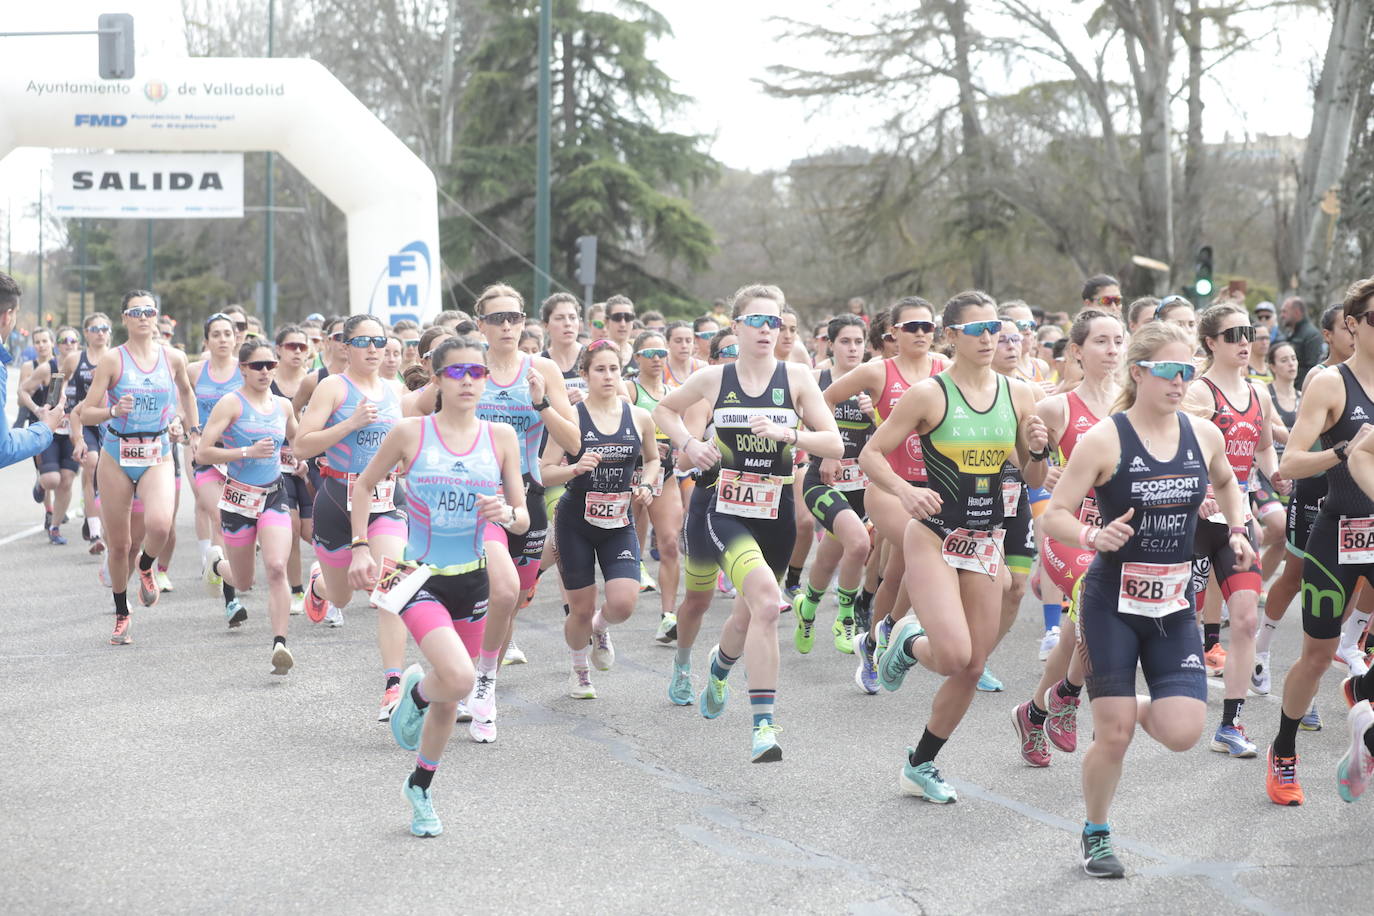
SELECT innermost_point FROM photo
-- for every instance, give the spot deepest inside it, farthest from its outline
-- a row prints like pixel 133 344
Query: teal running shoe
pixel 804 636
pixel 894 662
pixel 988 682
pixel 766 749
pixel 924 781
pixel 407 719
pixel 715 694
pixel 423 821
pixel 680 689
pixel 235 613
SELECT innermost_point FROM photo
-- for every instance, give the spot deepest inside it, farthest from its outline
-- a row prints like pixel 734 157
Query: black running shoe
pixel 1099 859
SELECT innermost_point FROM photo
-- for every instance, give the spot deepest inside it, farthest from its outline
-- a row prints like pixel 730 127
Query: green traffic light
pixel 1203 286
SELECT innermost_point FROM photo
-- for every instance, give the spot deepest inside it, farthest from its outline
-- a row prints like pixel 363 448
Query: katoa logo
pixel 406 279
pixel 155 90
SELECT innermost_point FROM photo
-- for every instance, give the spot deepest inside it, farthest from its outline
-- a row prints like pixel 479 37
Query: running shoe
pixel 120 636
pixel 464 714
pixel 103 573
pixel 603 650
pixel 297 603
pixel 804 634
pixel 147 588
pixel 315 607
pixel 423 821
pixel 1048 642
pixel 1232 740
pixel 844 629
pixel 680 691
pixel 716 692
pixel 884 633
pixel 1352 773
pixel 724 586
pixel 164 584
pixel 214 583
pixel 407 719
pixel 1281 779
pixel 1312 722
pixel 866 675
pixel 37 492
pixel 390 697
pixel 580 685
pixel 1215 660
pixel 55 537
pixel 895 663
pixel 282 661
pixel 1033 749
pixel 1260 680
pixel 790 593
pixel 482 706
pixel 97 546
pixel 1061 720
pixel 235 613
pixel 666 634
pixel 334 618
pixel 924 781
pixel 514 655
pixel 1350 656
pixel 47 519
pixel 988 682
pixel 766 748
pixel 646 581
pixel 1099 859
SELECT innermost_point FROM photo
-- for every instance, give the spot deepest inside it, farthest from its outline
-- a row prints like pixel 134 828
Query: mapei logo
pixel 101 120
pixel 406 281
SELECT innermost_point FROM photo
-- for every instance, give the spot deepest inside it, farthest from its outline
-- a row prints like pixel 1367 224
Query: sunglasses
pixel 98 329
pixel 731 351
pixel 412 343
pixel 296 346
pixel 71 341
pixel 620 316
pixel 760 320
pixel 1026 324
pixel 1168 369
pixel 362 342
pixel 653 353
pixel 1366 317
pixel 978 328
pixel 141 311
pixel 1009 338
pixel 602 344
pixel 456 371
pixel 261 365
pixel 240 326
pixel 337 337
pixel 598 323
pixel 1109 300
pixel 705 335
pixel 1047 345
pixel 504 318
pixel 917 326
pixel 1238 333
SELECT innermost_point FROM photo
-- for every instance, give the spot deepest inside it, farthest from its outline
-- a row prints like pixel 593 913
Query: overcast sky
pixel 719 50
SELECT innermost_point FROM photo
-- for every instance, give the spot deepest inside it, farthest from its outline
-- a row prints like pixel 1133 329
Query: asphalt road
pixel 177 775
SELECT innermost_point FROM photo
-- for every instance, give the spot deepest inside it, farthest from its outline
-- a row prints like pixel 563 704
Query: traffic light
pixel 1202 273
pixel 586 260
pixel 116 46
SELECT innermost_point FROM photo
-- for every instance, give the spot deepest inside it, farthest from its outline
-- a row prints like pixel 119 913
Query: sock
pixel 298 590
pixel 1266 634
pixel 1037 715
pixel 417 693
pixel 278 641
pixel 794 576
pixel 161 568
pixel 487 662
pixel 909 647
pixel 1364 687
pixel 204 546
pixel 1369 739
pixel 1351 630
pixel 598 622
pixel 567 611
pixel 1211 635
pixel 581 658
pixel 313 592
pixel 721 664
pixel 1052 613
pixel 393 677
pixel 228 591
pixel 865 601
pixel 121 604
pixel 926 748
pixel 761 704
pixel 684 656
pixel 93 522
pixel 145 562
pixel 1090 828
pixel 814 595
pixel 1231 711
pixel 1065 689
pixel 844 597
pixel 424 772
pixel 1286 741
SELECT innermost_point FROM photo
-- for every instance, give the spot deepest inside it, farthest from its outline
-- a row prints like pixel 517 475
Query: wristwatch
pixel 542 405
pixel 1341 449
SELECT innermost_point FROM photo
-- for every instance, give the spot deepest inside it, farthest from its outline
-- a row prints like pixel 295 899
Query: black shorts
pixel 1019 543
pixel 528 548
pixel 1168 649
pixel 1327 584
pixel 58 456
pixel 93 436
pixel 464 596
pixel 1212 553
pixel 333 527
pixel 825 502
pixel 300 494
pixel 1303 504
pixel 716 541
pixel 583 546
pixel 279 499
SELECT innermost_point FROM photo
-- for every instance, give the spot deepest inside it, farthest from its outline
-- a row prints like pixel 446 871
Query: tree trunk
pixel 447 103
pixel 977 196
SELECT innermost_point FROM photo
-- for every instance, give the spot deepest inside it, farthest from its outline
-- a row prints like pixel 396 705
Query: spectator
pixel 18 444
pixel 1102 292
pixel 1306 339
pixel 1266 319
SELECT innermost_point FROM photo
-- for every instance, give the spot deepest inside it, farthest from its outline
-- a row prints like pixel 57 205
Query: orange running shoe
pixel 1215 659
pixel 120 636
pixel 315 606
pixel 148 590
pixel 1281 780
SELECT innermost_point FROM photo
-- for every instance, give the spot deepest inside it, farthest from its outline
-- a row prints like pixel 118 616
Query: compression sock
pixel 761 705
pixel 393 677
pixel 121 600
pixel 844 597
pixel 581 658
pixel 1286 741
pixel 488 662
pixel 926 748
pixel 1266 633
pixel 1211 635
pixel 721 664
pixel 1230 711
pixel 1053 613
pixel 794 576
pixel 145 562
pixel 424 772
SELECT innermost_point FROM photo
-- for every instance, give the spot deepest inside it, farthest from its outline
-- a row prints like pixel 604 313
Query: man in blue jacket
pixel 18 444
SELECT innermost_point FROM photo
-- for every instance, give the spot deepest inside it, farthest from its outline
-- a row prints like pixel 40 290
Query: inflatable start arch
pixel 294 107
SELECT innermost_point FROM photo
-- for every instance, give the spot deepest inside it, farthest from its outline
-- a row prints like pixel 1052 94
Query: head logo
pixel 406 281
pixel 155 90
pixel 101 120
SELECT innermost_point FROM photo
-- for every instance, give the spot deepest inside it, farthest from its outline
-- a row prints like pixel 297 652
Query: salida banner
pixel 148 185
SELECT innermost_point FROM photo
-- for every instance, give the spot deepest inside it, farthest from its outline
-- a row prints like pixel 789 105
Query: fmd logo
pixel 405 280
pixel 101 120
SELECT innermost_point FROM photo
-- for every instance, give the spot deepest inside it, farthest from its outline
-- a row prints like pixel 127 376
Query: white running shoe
pixel 666 634
pixel 580 685
pixel 164 584
pixel 213 582
pixel 482 706
pixel 1048 642
pixel 464 714
pixel 603 651
pixel 514 656
pixel 281 659
pixel 1259 679
pixel 297 604
pixel 1354 659
pixel 334 617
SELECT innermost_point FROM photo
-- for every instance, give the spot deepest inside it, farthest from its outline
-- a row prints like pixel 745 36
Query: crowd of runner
pixel 1143 468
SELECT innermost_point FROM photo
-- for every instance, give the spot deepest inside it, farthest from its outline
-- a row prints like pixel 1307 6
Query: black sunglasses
pixel 917 326
pixel 1238 333
pixel 620 316
pixel 504 317
pixel 261 365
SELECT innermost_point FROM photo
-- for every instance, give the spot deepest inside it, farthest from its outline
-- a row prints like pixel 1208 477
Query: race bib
pixel 850 476
pixel 140 453
pixel 1088 514
pixel 288 460
pixel 383 494
pixel 242 498
pixel 975 551
pixel 1219 517
pixel 1011 495
pixel 607 510
pixel 748 495
pixel 1355 541
pixel 1154 589
pixel 396 585
pixel 637 477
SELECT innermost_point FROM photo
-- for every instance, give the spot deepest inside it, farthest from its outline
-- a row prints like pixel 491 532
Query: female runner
pixel 245 433
pixel 80 368
pixel 293 348
pixel 453 465
pixel 1149 468
pixel 214 377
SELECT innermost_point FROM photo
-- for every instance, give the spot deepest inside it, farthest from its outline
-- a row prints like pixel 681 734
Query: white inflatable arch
pixel 293 107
